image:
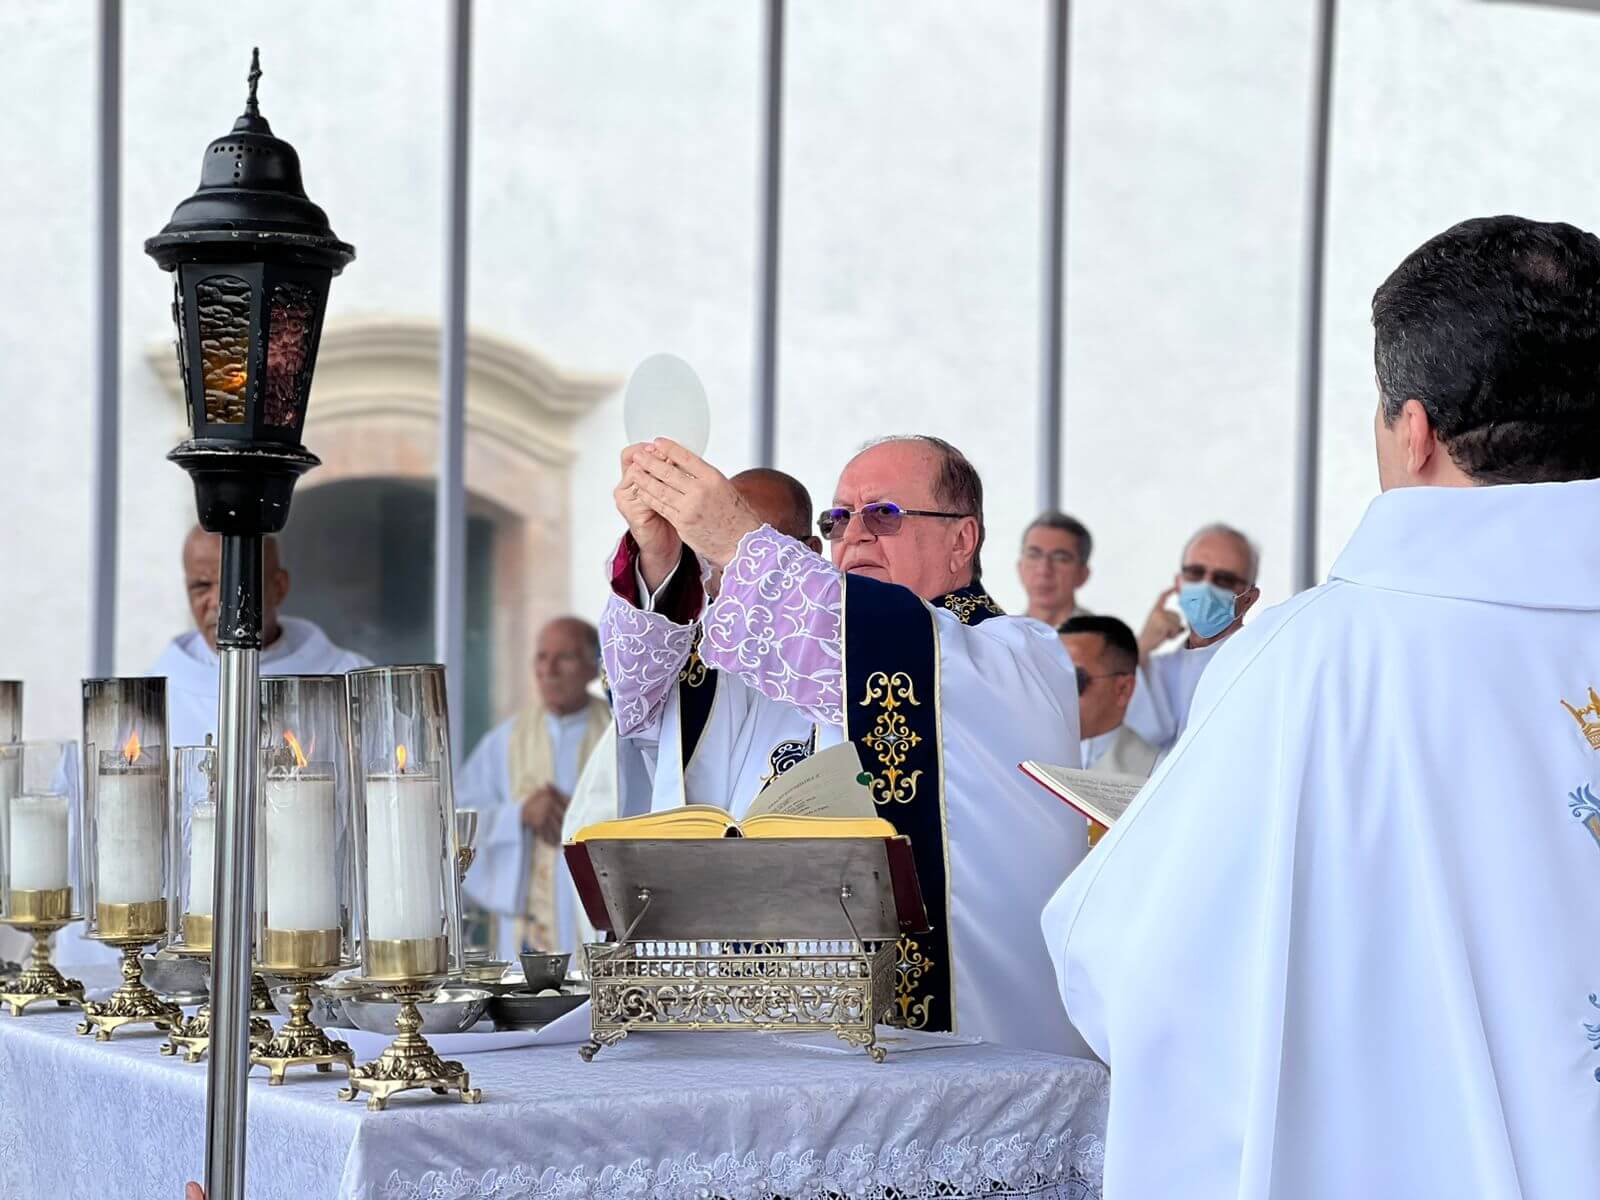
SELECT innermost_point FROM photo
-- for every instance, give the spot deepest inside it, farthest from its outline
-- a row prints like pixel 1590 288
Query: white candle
pixel 302 866
pixel 128 836
pixel 405 857
pixel 39 843
pixel 202 857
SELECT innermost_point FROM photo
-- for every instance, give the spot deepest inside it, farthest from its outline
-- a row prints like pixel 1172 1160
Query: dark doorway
pixel 360 557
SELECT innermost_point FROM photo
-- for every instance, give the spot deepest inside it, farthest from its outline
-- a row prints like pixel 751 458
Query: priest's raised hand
pixel 658 542
pixel 698 500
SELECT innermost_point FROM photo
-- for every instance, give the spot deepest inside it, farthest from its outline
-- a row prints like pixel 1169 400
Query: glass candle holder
pixel 125 863
pixel 405 829
pixel 193 851
pixel 305 880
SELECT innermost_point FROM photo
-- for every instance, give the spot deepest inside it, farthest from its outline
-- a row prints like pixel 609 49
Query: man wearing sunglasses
pixel 895 647
pixel 1106 655
pixel 1214 587
pixel 1343 943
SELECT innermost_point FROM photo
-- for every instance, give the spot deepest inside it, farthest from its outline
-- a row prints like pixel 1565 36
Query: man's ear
pixel 1245 601
pixel 1420 440
pixel 813 543
pixel 1125 687
pixel 967 537
pixel 279 583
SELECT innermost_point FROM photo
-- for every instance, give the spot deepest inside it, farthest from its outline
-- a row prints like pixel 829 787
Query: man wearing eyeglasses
pixel 1343 943
pixel 1053 565
pixel 896 647
pixel 1214 587
pixel 1106 655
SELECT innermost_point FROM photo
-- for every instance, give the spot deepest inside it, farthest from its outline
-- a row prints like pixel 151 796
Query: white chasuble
pixel 1344 942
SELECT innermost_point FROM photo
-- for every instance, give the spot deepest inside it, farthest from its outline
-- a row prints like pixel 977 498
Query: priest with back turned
pixel 896 647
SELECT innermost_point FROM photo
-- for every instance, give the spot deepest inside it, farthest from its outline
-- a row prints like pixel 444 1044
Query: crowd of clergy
pixel 1342 943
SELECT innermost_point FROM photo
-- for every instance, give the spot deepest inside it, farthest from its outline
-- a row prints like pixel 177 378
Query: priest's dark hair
pixel 1493 327
pixel 957 488
pixel 1054 519
pixel 1119 639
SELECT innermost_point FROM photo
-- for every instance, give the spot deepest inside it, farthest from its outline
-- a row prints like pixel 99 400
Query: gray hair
pixel 1051 519
pixel 1252 552
pixel 957 486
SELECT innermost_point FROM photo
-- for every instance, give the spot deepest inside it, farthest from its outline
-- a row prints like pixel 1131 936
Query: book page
pixel 827 784
pixel 690 821
pixel 1100 797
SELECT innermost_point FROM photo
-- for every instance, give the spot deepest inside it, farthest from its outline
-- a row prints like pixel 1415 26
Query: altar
pixel 658 1117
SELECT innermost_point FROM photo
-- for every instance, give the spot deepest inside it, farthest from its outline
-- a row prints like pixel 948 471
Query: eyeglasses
pixel 1226 580
pixel 1056 558
pixel 882 518
pixel 1085 679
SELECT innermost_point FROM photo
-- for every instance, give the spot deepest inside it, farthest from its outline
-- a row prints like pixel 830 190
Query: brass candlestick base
pixel 40 982
pixel 300 1043
pixel 191 1036
pixel 260 995
pixel 409 1062
pixel 131 1004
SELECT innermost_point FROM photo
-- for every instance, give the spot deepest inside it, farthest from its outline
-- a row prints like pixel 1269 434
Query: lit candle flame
pixel 294 745
pixel 130 748
pixel 400 758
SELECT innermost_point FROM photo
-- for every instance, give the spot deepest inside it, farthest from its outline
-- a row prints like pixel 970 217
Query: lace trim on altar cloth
pixel 1054 1169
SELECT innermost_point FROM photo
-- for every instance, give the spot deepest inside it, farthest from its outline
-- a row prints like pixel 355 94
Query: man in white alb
pixel 1343 944
pixel 1215 587
pixel 1106 655
pixel 1052 565
pixel 289 645
pixel 520 778
pixel 896 647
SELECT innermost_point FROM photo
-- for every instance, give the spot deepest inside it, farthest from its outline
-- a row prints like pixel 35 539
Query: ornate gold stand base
pixel 409 1063
pixel 131 1004
pixel 300 1043
pixel 191 1036
pixel 260 996
pixel 40 982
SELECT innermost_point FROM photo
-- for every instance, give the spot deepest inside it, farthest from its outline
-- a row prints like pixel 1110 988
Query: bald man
pixel 289 645
pixel 521 778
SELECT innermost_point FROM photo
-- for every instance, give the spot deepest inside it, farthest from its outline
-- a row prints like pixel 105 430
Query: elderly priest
pixel 896 647
pixel 1344 942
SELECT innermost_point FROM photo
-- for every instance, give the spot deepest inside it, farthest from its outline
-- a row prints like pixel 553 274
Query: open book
pixel 824 796
pixel 1098 796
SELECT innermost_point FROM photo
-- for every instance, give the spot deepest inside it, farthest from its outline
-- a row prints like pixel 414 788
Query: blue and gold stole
pixel 892 714
pixel 697 691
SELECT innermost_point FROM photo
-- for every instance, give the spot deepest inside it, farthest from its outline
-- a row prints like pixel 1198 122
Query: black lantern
pixel 253 257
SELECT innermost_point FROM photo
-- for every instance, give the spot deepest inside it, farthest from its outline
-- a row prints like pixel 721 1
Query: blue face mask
pixel 1207 608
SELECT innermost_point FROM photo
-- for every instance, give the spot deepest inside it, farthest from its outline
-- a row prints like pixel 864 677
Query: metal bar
pixel 107 308
pixel 450 512
pixel 233 878
pixel 766 393
pixel 1308 441
pixel 1052 299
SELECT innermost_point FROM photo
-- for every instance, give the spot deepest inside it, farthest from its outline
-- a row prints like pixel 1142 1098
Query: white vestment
pixel 1343 944
pixel 499 877
pixel 190 666
pixel 1009 694
pixel 1164 691
pixel 1120 752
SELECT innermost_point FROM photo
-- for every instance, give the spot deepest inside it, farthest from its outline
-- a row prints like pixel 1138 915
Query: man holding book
pixel 1343 943
pixel 895 647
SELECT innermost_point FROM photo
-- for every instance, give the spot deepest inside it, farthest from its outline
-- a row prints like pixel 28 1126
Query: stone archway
pixel 374 416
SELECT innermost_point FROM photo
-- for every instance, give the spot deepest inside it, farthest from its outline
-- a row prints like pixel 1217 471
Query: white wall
pixel 614 213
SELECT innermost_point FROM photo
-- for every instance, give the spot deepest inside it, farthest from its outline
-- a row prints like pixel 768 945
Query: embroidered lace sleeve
pixel 642 651
pixel 777 624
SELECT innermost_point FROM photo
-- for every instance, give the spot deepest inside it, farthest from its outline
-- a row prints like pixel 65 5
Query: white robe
pixel 1009 695
pixel 1344 942
pixel 1164 693
pixel 499 874
pixel 191 670
pixel 1120 752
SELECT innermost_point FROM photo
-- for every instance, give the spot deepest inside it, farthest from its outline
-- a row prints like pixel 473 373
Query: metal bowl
pixel 521 1010
pixel 176 977
pixel 544 970
pixel 450 1010
pixel 487 972
pixel 325 1010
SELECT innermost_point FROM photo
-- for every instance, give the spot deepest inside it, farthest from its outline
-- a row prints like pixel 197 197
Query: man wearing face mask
pixel 1214 587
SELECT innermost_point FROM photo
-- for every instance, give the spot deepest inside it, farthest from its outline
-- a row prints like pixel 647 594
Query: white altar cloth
pixel 658 1117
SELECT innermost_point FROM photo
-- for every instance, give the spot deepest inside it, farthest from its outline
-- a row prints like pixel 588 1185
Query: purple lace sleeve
pixel 777 624
pixel 643 653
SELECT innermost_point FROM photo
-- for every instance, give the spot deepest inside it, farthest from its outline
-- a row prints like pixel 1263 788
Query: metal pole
pixel 450 513
pixel 107 295
pixel 1309 434
pixel 766 396
pixel 1053 284
pixel 233 879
